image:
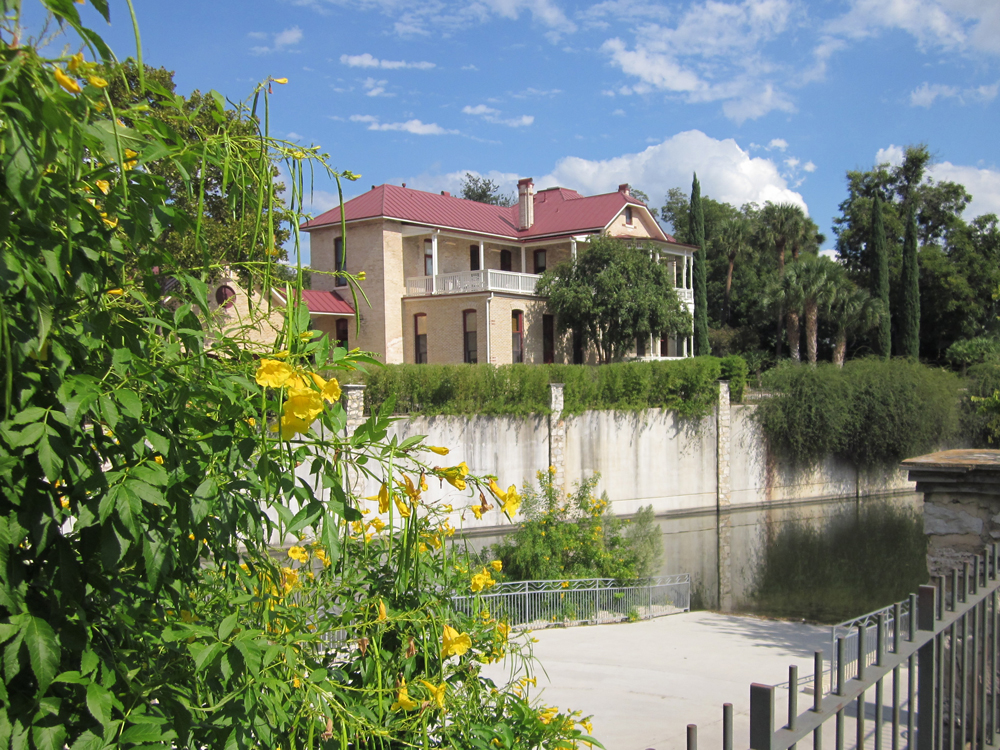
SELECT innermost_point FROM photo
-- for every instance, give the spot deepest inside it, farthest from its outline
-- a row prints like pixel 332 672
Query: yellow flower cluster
pixel 306 392
pixel 454 475
pixel 454 643
pixel 481 581
pixel 298 553
pixel 510 500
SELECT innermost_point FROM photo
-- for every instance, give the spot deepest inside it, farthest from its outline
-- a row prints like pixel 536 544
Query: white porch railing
pixel 488 280
pixel 685 295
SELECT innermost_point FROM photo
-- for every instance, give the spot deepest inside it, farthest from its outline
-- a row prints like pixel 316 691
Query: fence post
pixel 761 717
pixel 926 611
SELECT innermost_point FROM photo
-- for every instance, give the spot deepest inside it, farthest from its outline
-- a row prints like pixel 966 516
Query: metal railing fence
pixel 861 634
pixel 943 667
pixel 539 604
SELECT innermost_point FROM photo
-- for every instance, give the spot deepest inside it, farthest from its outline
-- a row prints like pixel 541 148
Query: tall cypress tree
pixel 880 277
pixel 909 318
pixel 697 234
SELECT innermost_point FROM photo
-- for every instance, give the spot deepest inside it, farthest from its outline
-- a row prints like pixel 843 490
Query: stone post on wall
pixel 352 396
pixel 961 491
pixel 353 399
pixel 723 502
pixel 557 435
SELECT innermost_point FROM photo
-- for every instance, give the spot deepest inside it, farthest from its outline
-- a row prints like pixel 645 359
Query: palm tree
pixel 734 242
pixel 785 296
pixel 816 276
pixel 853 310
pixel 781 227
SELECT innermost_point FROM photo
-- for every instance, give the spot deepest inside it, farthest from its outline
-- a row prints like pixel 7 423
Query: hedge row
pixel 872 412
pixel 688 386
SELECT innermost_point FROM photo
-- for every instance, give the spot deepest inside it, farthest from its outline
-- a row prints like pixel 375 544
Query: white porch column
pixel 434 263
pixel 572 249
pixel 523 261
pixel 684 347
pixel 482 257
pixel 684 274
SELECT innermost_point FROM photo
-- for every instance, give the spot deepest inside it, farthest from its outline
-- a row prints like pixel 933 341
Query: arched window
pixel 342 332
pixel 470 341
pixel 517 337
pixel 420 338
pixel 225 296
pixel 628 215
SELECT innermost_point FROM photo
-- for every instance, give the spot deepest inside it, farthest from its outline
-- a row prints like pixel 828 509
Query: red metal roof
pixel 329 303
pixel 557 211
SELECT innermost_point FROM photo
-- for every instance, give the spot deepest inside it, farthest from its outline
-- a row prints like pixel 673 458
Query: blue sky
pixel 765 99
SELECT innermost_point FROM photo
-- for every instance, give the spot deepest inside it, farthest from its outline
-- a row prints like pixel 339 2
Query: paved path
pixel 644 682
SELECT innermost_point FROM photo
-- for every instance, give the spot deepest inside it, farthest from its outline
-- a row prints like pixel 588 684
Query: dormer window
pixel 628 215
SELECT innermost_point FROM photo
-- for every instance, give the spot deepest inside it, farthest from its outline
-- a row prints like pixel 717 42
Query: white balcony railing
pixel 685 295
pixel 463 282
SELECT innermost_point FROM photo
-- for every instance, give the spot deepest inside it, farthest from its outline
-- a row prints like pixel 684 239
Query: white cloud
pixel 493 115
pixel 809 167
pixel 533 92
pixel 726 172
pixel 618 113
pixel 926 94
pixel 964 25
pixel 375 87
pixel 543 11
pixel 452 181
pixel 367 60
pixel 713 54
pixel 791 162
pixel 280 41
pixel 777 143
pixel 293 136
pixel 983 184
pixel 416 127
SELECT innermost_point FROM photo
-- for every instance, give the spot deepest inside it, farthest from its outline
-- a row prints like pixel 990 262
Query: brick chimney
pixel 526 202
pixel 625 189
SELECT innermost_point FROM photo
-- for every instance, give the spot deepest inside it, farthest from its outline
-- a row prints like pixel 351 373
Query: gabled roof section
pixel 321 302
pixel 558 211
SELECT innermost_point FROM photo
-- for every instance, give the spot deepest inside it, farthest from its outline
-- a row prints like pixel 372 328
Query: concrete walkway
pixel 644 682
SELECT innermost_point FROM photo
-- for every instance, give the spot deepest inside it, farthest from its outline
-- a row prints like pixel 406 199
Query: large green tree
pixel 909 334
pixel 879 260
pixel 696 230
pixel 234 226
pixel 611 295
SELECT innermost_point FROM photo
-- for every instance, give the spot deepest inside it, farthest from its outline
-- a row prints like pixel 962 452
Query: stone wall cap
pixel 962 460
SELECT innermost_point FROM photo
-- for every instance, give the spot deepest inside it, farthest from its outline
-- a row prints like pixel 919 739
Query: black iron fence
pixel 929 682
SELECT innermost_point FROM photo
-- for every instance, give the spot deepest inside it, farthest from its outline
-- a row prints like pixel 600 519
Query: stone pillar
pixel 353 399
pixel 557 435
pixel 724 501
pixel 961 491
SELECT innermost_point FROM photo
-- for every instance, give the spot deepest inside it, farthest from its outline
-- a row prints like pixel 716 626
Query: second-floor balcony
pixel 489 280
pixel 463 282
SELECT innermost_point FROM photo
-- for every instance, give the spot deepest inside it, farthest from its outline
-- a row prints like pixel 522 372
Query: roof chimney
pixel 446 193
pixel 625 189
pixel 526 203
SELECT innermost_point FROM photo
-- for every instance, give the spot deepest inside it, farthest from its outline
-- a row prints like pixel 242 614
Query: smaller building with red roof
pixel 451 280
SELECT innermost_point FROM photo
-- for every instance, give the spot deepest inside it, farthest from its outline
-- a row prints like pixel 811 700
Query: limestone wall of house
pixel 392 292
pixel 501 310
pixel 445 340
pixel 642 225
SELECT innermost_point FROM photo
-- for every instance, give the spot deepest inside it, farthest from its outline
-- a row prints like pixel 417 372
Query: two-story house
pixel 452 280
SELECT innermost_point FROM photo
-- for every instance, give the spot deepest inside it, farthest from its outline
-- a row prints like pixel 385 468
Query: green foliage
pixel 909 315
pixel 865 557
pixel 151 464
pixel 735 369
pixel 871 412
pixel 981 407
pixel 688 386
pixel 696 231
pixel 574 536
pixel 879 259
pixel 613 294
pixel 485 190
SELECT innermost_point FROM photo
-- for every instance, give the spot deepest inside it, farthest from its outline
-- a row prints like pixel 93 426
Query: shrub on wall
pixel 688 386
pixel 574 536
pixel 872 412
pixel 735 369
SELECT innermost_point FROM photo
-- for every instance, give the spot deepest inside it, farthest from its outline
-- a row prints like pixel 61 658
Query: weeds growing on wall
pixel 981 405
pixel 864 557
pixel 871 412
pixel 574 536
pixel 688 386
